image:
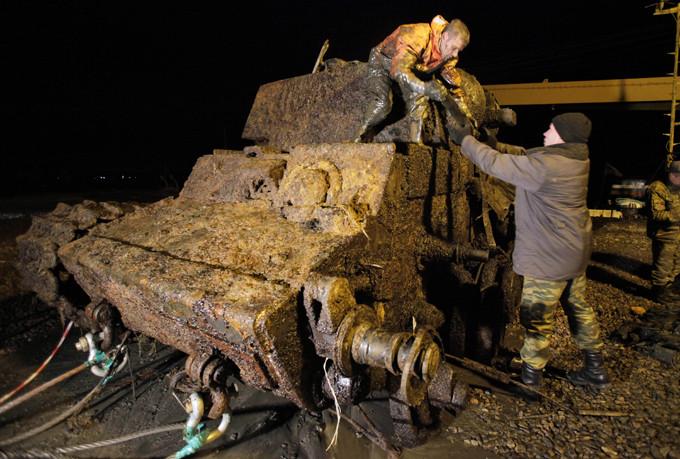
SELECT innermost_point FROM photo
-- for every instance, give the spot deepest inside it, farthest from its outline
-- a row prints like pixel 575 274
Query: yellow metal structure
pixel 628 90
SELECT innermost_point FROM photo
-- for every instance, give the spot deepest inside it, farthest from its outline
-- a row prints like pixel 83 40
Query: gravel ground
pixel 641 407
pixel 643 402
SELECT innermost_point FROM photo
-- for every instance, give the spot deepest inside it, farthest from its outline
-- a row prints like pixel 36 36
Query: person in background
pixel 663 226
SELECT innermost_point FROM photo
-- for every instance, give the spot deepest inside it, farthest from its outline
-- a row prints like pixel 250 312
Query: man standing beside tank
pixel 412 52
pixel 552 241
pixel 663 226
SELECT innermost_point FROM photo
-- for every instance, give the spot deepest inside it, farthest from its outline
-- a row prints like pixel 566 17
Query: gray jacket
pixel 553 228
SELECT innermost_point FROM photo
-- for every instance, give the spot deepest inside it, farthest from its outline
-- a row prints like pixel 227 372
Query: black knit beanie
pixel 573 127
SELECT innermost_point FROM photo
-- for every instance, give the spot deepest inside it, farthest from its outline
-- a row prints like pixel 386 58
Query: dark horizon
pixel 94 89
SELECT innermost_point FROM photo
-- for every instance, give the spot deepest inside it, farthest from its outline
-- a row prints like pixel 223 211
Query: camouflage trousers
pixel 537 313
pixel 666 261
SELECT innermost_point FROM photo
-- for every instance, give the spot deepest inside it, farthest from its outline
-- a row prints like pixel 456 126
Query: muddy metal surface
pixel 641 408
pixel 303 249
pixel 264 425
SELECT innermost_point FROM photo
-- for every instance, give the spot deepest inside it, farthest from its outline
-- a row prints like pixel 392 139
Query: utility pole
pixel 674 99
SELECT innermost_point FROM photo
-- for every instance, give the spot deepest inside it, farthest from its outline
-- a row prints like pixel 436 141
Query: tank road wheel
pixel 411 424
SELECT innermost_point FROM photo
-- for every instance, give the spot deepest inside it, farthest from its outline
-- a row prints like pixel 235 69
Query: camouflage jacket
pixel 663 204
pixel 414 48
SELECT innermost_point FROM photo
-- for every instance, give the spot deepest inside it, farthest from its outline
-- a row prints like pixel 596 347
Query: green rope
pixel 195 440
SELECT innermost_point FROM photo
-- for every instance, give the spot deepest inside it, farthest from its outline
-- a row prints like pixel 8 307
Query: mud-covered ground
pixel 638 416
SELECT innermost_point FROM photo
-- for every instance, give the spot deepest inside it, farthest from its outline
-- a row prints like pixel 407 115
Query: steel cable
pixel 54 421
pixel 32 376
pixel 29 455
pixel 32 393
pixel 73 410
pixel 122 439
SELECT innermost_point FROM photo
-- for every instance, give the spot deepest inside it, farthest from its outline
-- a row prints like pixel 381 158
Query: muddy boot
pixel 530 377
pixel 593 374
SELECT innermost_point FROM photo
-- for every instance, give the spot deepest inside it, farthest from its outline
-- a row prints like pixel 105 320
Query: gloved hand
pixel 508 117
pixel 435 90
pixel 488 137
pixel 457 132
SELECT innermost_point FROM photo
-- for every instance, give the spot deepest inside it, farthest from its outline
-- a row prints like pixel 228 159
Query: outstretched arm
pixel 402 70
pixel 522 171
pixel 403 64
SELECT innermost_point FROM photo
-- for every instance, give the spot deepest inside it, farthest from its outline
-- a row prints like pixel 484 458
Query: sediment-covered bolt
pixel 391 350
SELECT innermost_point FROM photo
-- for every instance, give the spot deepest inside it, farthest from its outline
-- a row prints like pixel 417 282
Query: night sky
pixel 94 88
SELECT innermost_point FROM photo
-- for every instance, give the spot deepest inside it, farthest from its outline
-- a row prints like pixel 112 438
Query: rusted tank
pixel 308 265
